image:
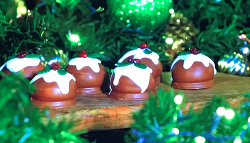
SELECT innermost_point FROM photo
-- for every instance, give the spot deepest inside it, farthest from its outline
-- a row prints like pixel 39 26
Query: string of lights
pixel 178 119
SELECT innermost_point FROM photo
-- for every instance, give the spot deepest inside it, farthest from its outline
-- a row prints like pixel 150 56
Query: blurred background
pixel 109 28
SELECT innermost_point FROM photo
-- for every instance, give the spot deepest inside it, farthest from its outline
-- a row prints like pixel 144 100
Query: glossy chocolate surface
pixel 28 72
pixel 128 90
pixel 87 81
pixel 49 94
pixel 196 77
pixel 157 69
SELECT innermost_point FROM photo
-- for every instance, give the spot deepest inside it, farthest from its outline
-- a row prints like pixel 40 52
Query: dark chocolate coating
pixel 49 94
pixel 157 69
pixel 196 77
pixel 87 81
pixel 128 90
pixel 28 72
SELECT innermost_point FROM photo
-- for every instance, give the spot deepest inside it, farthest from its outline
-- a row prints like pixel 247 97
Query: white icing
pixel 17 64
pixel 139 54
pixel 189 59
pixel 84 62
pixel 53 76
pixel 139 76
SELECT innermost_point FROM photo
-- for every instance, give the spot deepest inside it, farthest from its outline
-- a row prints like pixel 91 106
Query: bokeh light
pixel 148 14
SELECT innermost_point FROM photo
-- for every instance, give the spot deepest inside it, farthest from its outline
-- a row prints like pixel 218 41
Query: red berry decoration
pixel 22 54
pixel 83 54
pixel 55 66
pixel 194 51
pixel 136 61
pixel 143 46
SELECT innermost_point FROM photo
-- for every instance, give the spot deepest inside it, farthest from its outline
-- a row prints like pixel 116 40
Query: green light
pixel 229 114
pixel 244 127
pixel 237 140
pixel 176 131
pixel 178 99
pixel 171 11
pixel 74 38
pixel 141 12
pixel 221 111
pixel 200 139
pixel 169 41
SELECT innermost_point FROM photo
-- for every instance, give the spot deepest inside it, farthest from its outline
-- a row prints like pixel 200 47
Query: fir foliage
pixel 161 121
pixel 219 22
pixel 21 122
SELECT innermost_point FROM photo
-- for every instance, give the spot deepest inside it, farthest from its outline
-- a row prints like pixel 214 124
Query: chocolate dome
pixel 55 89
pixel 28 65
pixel 131 83
pixel 89 74
pixel 192 71
pixel 147 57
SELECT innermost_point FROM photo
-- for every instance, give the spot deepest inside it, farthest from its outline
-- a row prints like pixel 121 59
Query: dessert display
pixel 55 88
pixel 28 64
pixel 147 57
pixel 192 71
pixel 132 81
pixel 89 73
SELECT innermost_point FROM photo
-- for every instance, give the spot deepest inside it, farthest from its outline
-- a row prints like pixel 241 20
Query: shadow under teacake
pixel 106 136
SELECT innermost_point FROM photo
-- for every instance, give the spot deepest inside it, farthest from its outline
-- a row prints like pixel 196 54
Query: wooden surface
pixel 98 112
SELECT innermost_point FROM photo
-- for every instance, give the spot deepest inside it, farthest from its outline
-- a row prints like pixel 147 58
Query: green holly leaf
pixel 147 51
pixel 45 70
pixel 61 72
pixel 33 56
pixel 140 65
pixel 124 64
pixel 75 55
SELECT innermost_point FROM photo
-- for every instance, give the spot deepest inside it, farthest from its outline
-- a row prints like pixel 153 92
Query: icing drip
pixel 189 59
pixel 53 76
pixel 17 64
pixel 84 62
pixel 139 54
pixel 139 76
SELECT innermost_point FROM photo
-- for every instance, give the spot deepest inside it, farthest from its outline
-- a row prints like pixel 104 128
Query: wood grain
pixel 98 112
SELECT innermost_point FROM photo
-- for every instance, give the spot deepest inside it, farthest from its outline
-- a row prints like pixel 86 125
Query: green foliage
pixel 219 22
pixel 124 64
pixel 35 56
pixel 52 23
pixel 140 65
pixel 147 51
pixel 160 121
pixel 45 70
pixel 61 72
pixel 21 122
